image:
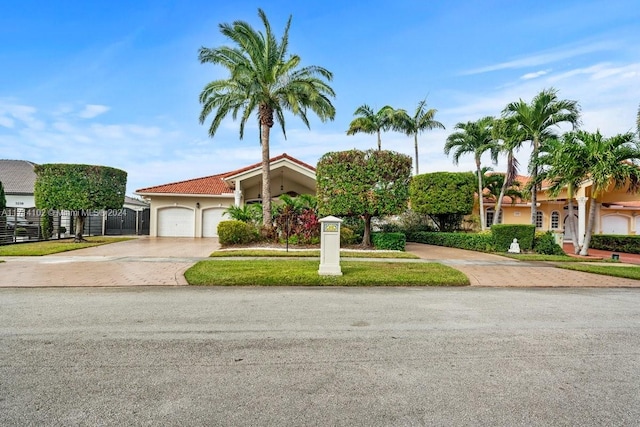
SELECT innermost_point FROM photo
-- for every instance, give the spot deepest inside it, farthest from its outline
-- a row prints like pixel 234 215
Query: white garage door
pixel 210 220
pixel 615 224
pixel 175 222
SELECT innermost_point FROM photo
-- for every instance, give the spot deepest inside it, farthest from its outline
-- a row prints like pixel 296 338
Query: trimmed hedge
pixel 389 241
pixel 235 232
pixel 503 235
pixel 482 242
pixel 611 242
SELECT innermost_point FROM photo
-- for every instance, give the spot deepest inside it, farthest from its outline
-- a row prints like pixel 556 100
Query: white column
pixel 237 194
pixel 582 218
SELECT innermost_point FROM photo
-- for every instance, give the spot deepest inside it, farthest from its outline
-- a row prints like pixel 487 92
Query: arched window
pixel 539 218
pixel 555 220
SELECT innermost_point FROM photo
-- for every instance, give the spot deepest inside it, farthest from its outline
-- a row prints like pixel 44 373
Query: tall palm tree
pixel 638 122
pixel 473 138
pixel 422 120
pixel 263 78
pixel 536 122
pixel 369 121
pixel 565 165
pixel 610 161
pixel 506 136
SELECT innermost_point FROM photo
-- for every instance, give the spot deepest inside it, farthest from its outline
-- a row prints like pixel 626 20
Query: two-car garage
pixel 177 221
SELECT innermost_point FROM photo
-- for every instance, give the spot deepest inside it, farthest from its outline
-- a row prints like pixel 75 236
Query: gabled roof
pixel 215 184
pixel 17 176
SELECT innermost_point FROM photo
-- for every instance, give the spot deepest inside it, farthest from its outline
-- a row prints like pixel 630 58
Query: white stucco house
pixel 193 208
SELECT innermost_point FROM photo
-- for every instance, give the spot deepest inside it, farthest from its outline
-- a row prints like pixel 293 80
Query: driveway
pixel 162 261
pixel 144 261
pixel 497 271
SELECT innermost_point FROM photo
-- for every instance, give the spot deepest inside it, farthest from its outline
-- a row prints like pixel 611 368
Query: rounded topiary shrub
pixel 235 233
pixel 545 244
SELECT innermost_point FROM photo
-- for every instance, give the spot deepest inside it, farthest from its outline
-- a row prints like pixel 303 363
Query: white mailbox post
pixel 330 247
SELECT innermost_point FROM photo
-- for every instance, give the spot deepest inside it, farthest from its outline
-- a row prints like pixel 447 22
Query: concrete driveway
pixel 144 261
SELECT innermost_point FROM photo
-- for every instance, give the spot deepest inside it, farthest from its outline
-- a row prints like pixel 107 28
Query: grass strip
pixel 305 273
pixel 277 253
pixel 626 272
pixel 48 247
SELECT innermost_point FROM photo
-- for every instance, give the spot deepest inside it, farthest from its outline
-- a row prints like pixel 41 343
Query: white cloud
pixel 93 110
pixel 6 122
pixel 535 74
pixel 545 57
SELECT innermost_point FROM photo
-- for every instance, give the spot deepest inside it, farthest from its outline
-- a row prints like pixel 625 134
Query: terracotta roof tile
pixel 214 184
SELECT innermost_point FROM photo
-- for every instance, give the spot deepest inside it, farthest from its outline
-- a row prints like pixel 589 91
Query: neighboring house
pixel 18 179
pixel 617 210
pixel 193 208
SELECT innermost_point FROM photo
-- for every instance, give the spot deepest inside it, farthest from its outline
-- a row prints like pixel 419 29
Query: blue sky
pixel 117 82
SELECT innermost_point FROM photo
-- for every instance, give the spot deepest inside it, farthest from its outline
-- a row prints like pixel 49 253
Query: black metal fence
pixel 26 225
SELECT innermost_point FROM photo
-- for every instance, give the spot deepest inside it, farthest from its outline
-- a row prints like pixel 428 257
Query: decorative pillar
pixel 237 195
pixel 582 218
pixel 330 246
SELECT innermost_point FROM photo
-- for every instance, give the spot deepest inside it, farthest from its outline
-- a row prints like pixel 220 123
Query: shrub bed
pixel 482 242
pixel 236 232
pixel 610 242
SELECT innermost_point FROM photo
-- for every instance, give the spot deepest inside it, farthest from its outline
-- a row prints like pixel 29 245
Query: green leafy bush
pixel 389 241
pixel 545 244
pixel 236 232
pixel 482 242
pixel 503 235
pixel 348 237
pixel 616 243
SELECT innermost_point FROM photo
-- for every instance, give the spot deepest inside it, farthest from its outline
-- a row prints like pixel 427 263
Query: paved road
pixel 291 356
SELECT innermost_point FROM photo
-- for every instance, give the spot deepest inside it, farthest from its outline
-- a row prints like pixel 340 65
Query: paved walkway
pixel 149 261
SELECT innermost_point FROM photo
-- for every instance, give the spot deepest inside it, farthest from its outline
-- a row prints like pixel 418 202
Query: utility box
pixel 330 246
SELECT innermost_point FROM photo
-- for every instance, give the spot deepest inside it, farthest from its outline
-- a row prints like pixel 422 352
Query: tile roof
pixel 214 184
pixel 17 176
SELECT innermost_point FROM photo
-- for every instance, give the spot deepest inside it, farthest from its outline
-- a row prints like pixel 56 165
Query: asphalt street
pixel 181 356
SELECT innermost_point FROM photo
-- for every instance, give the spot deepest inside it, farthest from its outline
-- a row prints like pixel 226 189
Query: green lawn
pixel 49 247
pixel 305 273
pixel 627 272
pixel 308 253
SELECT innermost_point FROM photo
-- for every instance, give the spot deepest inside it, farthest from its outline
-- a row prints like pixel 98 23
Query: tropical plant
pixel 369 121
pixel 263 78
pixel 364 184
pixel 506 135
pixel 563 162
pixel 421 121
pixel 535 122
pixel 474 138
pixel 605 162
pixel 79 189
pixel 297 218
pixel 251 213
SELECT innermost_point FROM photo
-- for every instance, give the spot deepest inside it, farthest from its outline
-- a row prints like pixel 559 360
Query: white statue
pixel 514 248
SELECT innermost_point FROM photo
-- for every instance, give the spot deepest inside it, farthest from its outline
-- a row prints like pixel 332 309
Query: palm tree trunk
pixel 534 178
pixel 572 223
pixel 415 140
pixel 79 228
pixel 379 141
pixel 266 177
pixel 587 235
pixel 498 208
pixel 480 196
